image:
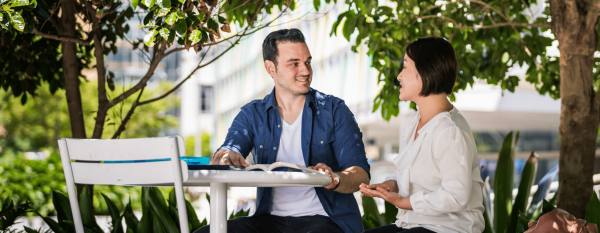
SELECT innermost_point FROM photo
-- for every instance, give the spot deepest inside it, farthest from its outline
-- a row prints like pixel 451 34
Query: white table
pixel 219 180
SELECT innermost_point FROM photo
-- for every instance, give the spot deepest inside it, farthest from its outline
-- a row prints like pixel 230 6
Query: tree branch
pixel 129 114
pixel 496 25
pixel 173 50
pixel 63 38
pixel 180 83
pixel 153 64
pixel 200 65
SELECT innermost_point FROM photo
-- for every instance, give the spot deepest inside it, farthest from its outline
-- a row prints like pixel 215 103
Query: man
pixel 300 125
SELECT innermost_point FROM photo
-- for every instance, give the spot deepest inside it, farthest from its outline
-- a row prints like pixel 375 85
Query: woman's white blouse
pixel 439 170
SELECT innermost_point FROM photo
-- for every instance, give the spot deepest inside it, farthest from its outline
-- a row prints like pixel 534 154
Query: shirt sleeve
pixel 240 135
pixel 452 157
pixel 391 176
pixel 348 147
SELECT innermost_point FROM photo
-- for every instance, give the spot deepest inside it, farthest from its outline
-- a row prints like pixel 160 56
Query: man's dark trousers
pixel 276 224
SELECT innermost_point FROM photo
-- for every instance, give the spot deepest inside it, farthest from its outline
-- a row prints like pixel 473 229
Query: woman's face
pixel 410 81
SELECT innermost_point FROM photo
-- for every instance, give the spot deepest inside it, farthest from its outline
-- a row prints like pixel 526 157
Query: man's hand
pixel 324 168
pixel 380 191
pixel 226 157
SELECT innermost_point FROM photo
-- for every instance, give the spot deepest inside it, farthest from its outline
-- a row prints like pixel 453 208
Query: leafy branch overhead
pixel 489 38
pixel 85 31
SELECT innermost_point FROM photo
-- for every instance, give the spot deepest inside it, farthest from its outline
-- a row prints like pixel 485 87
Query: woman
pixel 436 184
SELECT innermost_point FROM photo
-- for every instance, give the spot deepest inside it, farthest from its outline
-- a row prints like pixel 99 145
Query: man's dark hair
pixel 435 61
pixel 269 46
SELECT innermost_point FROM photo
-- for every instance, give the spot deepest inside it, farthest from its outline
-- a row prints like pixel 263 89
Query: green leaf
pixel 134 3
pixel 540 194
pixel 130 219
pixel 16 3
pixel 148 3
pixel 116 218
pixel 546 207
pixel 171 18
pixel 150 38
pixel 208 198
pixel 317 4
pixel 212 24
pixel 390 212
pixel 63 210
pixel 222 20
pixel 18 23
pixel 370 208
pixel 503 183
pixel 148 17
pixel 592 211
pixel 164 3
pixel 29 230
pixel 349 26
pixel 159 207
pixel 54 226
pixel 522 224
pixel 337 23
pixel 180 28
pixel 145 224
pixel 87 211
pixel 367 222
pixel 520 203
pixel 196 36
pixel 195 223
pixel 164 33
pixel 163 11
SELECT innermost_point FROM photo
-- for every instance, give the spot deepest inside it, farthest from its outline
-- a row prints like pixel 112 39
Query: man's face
pixel 293 73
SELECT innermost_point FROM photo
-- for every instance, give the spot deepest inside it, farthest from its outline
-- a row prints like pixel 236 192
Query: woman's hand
pixel 383 191
pixel 388 185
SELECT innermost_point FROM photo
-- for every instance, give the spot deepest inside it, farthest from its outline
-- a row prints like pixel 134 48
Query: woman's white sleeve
pixel 391 176
pixel 453 159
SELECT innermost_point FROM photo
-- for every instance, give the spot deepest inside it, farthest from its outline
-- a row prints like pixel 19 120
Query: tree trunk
pixel 71 69
pixel 71 73
pixel 574 24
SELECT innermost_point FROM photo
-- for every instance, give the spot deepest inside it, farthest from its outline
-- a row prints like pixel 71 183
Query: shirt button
pixel 274 148
pixel 260 146
pixel 321 142
pixel 278 126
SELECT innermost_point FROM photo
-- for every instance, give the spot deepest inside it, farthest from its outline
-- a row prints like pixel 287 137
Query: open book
pixel 276 166
pixel 281 166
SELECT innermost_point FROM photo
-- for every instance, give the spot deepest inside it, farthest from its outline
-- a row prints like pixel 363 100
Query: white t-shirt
pixel 294 201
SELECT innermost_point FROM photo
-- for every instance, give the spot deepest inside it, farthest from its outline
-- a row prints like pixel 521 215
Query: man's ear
pixel 270 67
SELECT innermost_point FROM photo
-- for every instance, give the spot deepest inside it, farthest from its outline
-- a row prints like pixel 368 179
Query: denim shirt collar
pixel 271 102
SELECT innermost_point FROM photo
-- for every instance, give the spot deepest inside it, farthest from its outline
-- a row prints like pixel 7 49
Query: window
pixel 206 98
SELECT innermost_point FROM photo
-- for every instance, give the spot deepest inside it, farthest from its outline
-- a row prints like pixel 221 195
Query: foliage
pixel 488 37
pixel 46 37
pixel 35 180
pixel 158 214
pixel 40 122
pixel 190 142
pixel 10 213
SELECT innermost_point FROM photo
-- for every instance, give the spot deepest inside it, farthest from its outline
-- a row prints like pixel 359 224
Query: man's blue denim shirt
pixel 330 135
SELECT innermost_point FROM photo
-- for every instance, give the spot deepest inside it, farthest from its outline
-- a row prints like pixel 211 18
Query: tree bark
pixel 71 73
pixel 574 23
pixel 71 69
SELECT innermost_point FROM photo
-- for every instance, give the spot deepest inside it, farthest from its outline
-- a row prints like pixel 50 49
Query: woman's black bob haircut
pixel 436 63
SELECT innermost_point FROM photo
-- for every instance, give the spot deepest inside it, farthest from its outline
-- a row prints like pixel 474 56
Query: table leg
pixel 218 208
